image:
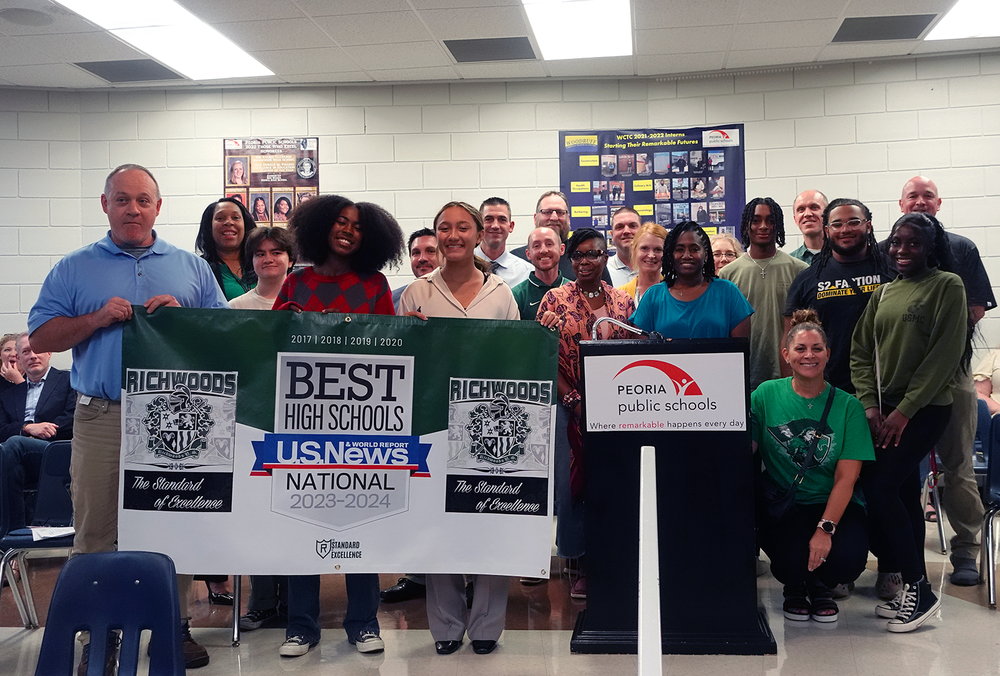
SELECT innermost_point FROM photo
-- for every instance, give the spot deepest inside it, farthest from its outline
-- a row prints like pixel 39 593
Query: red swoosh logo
pixel 682 381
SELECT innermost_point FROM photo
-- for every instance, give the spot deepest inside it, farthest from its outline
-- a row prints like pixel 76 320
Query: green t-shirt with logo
pixel 783 423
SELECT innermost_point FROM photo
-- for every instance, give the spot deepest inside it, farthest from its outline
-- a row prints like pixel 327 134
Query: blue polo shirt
pixel 89 277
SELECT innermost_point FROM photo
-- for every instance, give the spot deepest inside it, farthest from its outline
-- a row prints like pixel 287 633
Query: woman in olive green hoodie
pixel 907 347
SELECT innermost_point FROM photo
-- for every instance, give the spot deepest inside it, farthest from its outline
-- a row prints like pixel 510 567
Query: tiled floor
pixel 963 641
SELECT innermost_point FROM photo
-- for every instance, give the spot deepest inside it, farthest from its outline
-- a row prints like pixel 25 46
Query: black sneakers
pixel 917 603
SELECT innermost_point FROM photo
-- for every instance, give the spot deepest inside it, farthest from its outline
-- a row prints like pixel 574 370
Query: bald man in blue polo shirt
pixel 81 306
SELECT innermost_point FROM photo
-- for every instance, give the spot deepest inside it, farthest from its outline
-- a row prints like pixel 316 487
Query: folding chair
pixel 991 499
pixel 54 507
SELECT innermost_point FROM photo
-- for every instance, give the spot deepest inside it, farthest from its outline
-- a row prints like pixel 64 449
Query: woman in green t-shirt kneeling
pixel 823 541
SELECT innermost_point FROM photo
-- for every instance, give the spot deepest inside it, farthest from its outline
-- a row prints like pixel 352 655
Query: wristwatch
pixel 827 526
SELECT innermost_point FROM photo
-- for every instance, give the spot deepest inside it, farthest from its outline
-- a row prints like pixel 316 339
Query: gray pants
pixel 448 617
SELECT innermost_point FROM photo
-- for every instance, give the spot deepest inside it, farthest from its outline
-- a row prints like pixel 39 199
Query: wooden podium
pixel 689 399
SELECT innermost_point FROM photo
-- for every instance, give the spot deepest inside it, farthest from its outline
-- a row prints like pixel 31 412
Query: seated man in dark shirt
pixel 32 414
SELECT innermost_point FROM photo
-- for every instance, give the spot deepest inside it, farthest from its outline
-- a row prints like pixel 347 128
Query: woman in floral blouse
pixel 572 310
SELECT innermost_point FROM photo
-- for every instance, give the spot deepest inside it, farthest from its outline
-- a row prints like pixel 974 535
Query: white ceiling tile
pixel 64 21
pixel 374 29
pixel 18 52
pixel 323 78
pixel 897 7
pixel 225 11
pixel 933 46
pixel 767 11
pixel 849 51
pixel 678 41
pixel 318 60
pixel 274 34
pixel 784 34
pixel 412 74
pixel 672 64
pixel 504 70
pixel 52 75
pixel 463 24
pixel 754 58
pixel 461 4
pixel 398 56
pixel 685 13
pixel 343 7
pixel 613 65
pixel 81 47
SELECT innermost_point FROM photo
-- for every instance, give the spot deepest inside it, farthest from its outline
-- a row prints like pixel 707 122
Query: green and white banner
pixel 285 443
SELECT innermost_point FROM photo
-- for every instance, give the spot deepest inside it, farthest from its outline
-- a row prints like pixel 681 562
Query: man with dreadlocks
pixel 843 275
pixel 764 276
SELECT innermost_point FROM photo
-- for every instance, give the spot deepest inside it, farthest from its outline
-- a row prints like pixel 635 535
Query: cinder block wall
pixel 851 130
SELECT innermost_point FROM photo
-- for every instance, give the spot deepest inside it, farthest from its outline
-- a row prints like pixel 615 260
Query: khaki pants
pixel 97 439
pixel 962 502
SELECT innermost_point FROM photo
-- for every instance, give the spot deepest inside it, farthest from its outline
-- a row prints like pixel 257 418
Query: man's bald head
pixel 920 194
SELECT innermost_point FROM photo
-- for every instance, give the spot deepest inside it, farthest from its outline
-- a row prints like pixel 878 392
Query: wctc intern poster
pixel 277 442
pixel 666 175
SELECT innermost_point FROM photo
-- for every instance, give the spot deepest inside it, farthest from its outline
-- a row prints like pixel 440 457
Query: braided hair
pixel 669 274
pixel 874 252
pixel 939 256
pixel 748 213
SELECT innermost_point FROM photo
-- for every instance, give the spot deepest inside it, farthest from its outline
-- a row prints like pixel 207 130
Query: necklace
pixel 690 288
pixel 763 270
pixel 592 294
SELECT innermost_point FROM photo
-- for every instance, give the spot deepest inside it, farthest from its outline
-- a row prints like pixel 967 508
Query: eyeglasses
pixel 548 212
pixel 852 222
pixel 593 255
pixel 728 255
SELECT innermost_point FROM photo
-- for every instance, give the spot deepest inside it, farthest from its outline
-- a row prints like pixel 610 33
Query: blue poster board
pixel 666 175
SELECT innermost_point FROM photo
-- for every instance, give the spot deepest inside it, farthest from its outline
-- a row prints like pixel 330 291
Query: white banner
pixel 675 392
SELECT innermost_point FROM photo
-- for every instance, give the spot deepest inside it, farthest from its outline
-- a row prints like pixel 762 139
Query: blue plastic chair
pixel 114 591
pixel 991 499
pixel 54 507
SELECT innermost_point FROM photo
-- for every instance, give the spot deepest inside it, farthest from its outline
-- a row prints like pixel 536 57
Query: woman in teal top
pixel 691 302
pixel 823 541
pixel 221 241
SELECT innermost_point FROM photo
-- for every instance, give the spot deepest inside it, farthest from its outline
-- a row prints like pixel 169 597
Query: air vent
pixel 490 49
pixel 881 28
pixel 130 70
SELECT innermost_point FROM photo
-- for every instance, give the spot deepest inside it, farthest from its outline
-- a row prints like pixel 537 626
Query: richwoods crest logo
pixel 178 424
pixel 498 431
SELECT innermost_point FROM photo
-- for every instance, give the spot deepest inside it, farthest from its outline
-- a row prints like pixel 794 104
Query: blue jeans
pixel 303 605
pixel 20 463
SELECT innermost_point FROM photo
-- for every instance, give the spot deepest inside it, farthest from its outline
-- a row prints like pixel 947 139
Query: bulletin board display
pixel 666 175
pixel 271 176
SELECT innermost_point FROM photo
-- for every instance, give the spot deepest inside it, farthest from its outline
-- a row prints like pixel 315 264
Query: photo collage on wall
pixel 666 175
pixel 271 176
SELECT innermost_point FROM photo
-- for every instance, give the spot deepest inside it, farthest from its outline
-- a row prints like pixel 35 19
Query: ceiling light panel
pixel 581 29
pixel 969 19
pixel 172 35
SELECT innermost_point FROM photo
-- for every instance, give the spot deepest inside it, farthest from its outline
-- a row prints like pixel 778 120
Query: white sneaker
pixel 369 642
pixel 295 646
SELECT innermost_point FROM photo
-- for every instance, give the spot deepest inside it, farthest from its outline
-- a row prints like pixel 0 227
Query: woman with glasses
pixel 572 310
pixel 647 255
pixel 725 249
pixel 691 302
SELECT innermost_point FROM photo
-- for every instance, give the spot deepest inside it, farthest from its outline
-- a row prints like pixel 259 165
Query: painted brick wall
pixel 851 130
